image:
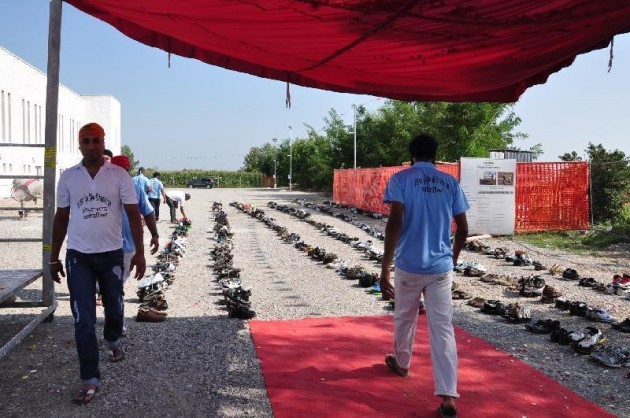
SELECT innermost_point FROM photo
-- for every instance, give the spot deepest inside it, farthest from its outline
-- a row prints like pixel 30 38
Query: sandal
pixel 392 364
pixel 447 412
pixel 117 354
pixel 476 302
pixel 84 396
pixel 460 294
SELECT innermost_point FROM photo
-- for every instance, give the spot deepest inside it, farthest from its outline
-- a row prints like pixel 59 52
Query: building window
pixel 10 168
pixel 4 167
pixel 38 170
pixel 41 137
pixel 4 137
pixel 23 122
pixel 28 122
pixel 9 115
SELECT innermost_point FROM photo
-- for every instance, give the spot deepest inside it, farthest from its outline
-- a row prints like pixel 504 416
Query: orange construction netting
pixel 549 196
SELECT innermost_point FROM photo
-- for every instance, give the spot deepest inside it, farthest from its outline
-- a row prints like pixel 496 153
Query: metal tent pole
pixel 50 153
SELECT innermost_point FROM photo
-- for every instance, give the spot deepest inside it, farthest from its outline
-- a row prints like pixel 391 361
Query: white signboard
pixel 490 187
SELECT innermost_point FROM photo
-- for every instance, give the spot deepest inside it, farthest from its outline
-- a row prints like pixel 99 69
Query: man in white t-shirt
pixel 175 198
pixel 90 199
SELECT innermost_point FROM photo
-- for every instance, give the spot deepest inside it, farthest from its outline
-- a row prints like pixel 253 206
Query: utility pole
pixel 275 163
pixel 290 158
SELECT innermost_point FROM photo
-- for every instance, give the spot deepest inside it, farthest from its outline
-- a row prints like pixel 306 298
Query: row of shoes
pixel 513 312
pixel 579 308
pixel 372 251
pixel 589 341
pixel 330 260
pixel 326 207
pixel 235 295
pixel 151 289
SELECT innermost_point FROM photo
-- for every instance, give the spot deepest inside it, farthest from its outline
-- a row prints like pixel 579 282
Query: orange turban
pixel 92 129
pixel 121 161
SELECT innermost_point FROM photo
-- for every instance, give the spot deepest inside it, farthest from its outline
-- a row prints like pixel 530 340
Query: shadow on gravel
pixel 191 366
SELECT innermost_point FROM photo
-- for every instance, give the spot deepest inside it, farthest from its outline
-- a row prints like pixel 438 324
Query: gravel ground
pixel 200 363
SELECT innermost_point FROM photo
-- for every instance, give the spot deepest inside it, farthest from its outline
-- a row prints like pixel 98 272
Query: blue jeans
pixel 84 271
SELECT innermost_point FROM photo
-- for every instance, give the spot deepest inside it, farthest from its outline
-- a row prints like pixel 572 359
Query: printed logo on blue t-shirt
pixel 431 184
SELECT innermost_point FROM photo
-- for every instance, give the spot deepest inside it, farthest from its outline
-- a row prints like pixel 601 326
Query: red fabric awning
pixel 446 50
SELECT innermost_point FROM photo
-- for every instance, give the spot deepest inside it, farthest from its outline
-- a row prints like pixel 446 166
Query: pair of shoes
pixel 150 315
pixel 446 412
pixel 392 363
pixel 543 326
pixel 84 396
pixel 240 310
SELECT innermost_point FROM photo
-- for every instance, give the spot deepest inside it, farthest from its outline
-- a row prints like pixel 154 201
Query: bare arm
pixel 181 209
pixel 149 220
pixel 392 235
pixel 60 229
pixel 460 235
pixel 135 223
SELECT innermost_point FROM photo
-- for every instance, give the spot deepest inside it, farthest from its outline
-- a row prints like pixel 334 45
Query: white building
pixel 23 114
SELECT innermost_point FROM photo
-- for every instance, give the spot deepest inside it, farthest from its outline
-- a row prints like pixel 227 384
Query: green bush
pixel 225 179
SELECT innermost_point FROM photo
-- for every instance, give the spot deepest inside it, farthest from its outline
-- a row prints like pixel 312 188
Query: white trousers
pixel 127 256
pixel 409 288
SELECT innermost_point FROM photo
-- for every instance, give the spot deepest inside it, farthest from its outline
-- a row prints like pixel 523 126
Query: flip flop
pixel 84 396
pixel 447 412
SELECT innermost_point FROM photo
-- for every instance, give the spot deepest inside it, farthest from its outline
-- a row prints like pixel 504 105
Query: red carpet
pixel 333 367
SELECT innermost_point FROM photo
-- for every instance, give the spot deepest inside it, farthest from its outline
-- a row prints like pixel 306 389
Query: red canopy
pixel 443 50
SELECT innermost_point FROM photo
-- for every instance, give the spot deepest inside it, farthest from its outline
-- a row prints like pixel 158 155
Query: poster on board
pixel 490 187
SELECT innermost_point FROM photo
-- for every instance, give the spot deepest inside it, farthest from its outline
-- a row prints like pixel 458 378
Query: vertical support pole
pixel 355 136
pixel 50 150
pixel 590 193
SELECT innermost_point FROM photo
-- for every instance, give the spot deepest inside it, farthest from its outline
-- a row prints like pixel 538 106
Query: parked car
pixel 205 182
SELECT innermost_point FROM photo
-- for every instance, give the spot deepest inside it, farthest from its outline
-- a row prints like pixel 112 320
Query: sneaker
pixel 600 315
pixel 593 339
pixel 392 363
pixel 612 356
pixel 618 278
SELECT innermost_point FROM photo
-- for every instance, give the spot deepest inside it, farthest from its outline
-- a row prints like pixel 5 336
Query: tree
pixel 570 156
pixel 610 174
pixel 463 129
pixel 126 150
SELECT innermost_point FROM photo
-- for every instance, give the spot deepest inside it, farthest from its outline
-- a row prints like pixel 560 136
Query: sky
pixel 193 115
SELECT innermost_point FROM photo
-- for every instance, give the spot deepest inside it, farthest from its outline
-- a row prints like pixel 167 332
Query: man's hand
pixel 386 285
pixel 56 269
pixel 140 264
pixel 154 244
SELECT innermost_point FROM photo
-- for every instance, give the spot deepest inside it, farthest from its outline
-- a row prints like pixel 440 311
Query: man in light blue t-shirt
pixel 141 181
pixel 424 201
pixel 156 194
